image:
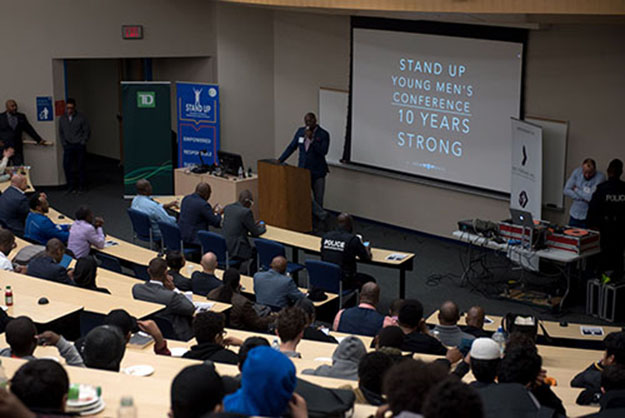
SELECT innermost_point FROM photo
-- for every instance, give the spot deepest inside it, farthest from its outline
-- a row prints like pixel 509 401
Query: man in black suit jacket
pixel 160 289
pixel 196 214
pixel 12 125
pixel 238 224
pixel 14 207
pixel 46 266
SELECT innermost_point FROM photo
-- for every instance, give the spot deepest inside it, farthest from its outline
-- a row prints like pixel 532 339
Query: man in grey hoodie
pixel 345 360
pixel 21 335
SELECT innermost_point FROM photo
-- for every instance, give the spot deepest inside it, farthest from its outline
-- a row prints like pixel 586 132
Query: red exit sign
pixel 132 31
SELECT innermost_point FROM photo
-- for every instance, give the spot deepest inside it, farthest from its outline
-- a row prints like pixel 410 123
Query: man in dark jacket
pixel 12 125
pixel 238 225
pixel 313 143
pixel 74 132
pixel 14 207
pixel 590 379
pixel 196 214
pixel 46 266
pixel 208 329
pixel 202 282
pixel 613 386
pixel 418 338
pixel 606 212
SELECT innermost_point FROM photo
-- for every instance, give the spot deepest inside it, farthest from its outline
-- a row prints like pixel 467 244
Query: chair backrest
pixel 267 250
pixel 109 263
pixel 141 272
pixel 171 236
pixel 214 243
pixel 324 275
pixel 140 224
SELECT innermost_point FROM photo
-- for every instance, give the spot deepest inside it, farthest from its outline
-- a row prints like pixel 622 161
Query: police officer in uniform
pixel 341 247
pixel 606 212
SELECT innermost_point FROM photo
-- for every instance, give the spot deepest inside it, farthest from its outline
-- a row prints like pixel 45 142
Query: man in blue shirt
pixel 274 287
pixel 39 228
pixel 143 202
pixel 580 187
pixel 313 143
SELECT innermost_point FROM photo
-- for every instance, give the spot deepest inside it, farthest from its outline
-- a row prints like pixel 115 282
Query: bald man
pixel 12 125
pixel 143 202
pixel 46 266
pixel 475 322
pixel 274 288
pixel 449 333
pixel 202 282
pixel 196 214
pixel 363 319
pixel 239 224
pixel 343 247
pixel 14 206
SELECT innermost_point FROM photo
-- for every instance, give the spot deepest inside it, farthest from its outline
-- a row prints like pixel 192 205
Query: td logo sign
pixel 146 99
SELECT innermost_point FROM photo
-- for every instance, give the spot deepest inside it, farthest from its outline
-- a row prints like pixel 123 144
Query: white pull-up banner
pixel 527 167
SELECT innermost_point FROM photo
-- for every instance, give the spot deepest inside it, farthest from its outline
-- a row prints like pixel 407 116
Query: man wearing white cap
pixel 483 360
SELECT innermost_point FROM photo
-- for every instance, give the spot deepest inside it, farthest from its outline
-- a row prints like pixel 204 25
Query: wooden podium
pixel 284 196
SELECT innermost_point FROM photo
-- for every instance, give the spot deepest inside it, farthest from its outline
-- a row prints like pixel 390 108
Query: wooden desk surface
pixel 311 242
pixel 26 172
pixel 572 331
pixel 26 305
pixel 61 295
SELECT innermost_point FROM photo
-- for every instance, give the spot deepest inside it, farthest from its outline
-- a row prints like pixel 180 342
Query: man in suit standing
pixel 313 143
pixel 12 125
pixel 74 132
pixel 160 289
pixel 14 207
pixel 196 214
pixel 274 287
pixel 238 224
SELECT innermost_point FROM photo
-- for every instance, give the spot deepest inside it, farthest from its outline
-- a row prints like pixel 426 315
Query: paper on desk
pixel 110 243
pixel 203 306
pixel 586 330
pixel 395 257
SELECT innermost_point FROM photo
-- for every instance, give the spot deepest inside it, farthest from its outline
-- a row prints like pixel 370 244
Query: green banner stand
pixel 146 111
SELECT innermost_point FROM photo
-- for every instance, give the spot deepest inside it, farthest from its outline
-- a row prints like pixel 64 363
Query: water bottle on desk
pixel 127 408
pixel 500 338
pixel 241 172
pixel 8 296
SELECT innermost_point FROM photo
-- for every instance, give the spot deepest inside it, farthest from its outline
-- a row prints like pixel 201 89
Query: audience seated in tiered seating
pixel 590 379
pixel 160 289
pixel 202 282
pixel 104 348
pixel 613 386
pixel 452 398
pixel 363 319
pixel 46 265
pixel 290 327
pixel 449 333
pixel 85 272
pixel 157 212
pixel 39 228
pixel 475 322
pixel 196 214
pixel 14 206
pixel 85 232
pixel 208 329
pixel 371 371
pixel 484 361
pixel 345 360
pixel 389 341
pixel 274 288
pixel 267 386
pixel 197 390
pixel 314 331
pixel 175 262
pixel 41 386
pixel 7 244
pixel 21 335
pixel 243 315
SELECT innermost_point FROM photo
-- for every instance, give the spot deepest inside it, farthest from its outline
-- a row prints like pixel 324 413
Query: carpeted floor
pixel 437 268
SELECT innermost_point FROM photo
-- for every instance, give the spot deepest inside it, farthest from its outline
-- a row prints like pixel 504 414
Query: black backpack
pixel 324 402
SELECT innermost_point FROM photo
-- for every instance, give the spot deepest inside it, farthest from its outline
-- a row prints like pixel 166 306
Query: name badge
pixel 301 140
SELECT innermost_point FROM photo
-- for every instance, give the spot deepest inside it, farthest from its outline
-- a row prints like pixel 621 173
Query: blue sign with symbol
pixel 45 112
pixel 198 123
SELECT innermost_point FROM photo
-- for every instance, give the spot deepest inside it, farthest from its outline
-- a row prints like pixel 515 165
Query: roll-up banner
pixel 527 168
pixel 147 136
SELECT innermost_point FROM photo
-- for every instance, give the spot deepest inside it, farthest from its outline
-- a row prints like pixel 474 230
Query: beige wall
pixel 574 73
pixel 245 72
pixel 37 31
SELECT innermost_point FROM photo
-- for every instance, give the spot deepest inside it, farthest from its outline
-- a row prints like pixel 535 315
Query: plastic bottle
pixel 241 172
pixel 500 338
pixel 127 408
pixel 435 333
pixel 8 296
pixel 4 380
